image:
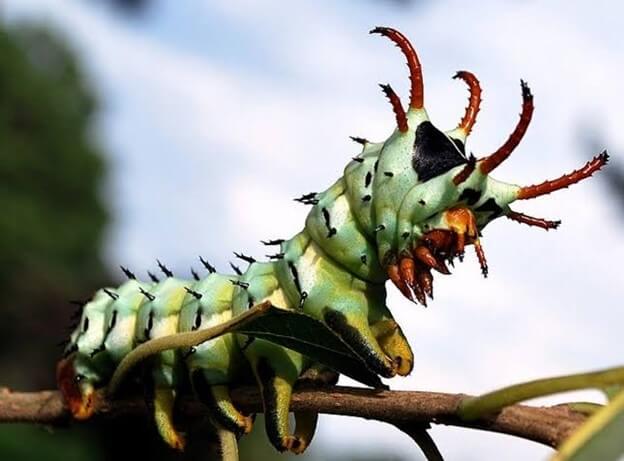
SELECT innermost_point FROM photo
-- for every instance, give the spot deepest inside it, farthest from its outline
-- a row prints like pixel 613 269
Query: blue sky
pixel 216 114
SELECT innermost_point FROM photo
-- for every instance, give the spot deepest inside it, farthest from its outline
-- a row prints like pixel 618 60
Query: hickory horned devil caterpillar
pixel 403 207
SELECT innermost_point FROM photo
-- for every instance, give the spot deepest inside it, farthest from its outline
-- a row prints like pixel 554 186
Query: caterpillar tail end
pixel 78 392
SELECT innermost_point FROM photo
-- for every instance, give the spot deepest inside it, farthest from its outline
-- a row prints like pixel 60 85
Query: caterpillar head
pixel 434 199
pixel 82 367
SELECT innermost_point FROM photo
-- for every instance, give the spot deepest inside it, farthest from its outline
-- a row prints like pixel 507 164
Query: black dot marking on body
pixel 295 275
pixel 422 202
pixel 388 174
pixel 248 259
pixel 209 267
pixel 331 231
pixel 250 302
pixel 471 196
pixel 375 165
pixel 434 154
pixel 426 226
pixel 198 319
pixel 150 325
pixel 357 159
pixel 236 269
pixel 272 242
pixel 364 259
pixel 195 275
pixel 491 206
pixel 367 198
pixel 304 296
pixel 114 296
pixel 405 235
pixel 152 277
pixel 85 324
pixel 128 273
pixel 368 179
pixel 164 269
pixel 149 296
pixel 113 322
pixel 379 228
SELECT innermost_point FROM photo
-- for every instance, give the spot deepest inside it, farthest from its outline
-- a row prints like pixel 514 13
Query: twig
pixel 546 425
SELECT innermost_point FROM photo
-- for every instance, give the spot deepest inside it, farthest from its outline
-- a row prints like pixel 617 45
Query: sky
pixel 215 114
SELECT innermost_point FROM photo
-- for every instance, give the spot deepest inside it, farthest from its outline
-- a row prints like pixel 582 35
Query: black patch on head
pixel 434 154
pixel 491 206
pixel 338 323
pixel 471 196
pixel 460 145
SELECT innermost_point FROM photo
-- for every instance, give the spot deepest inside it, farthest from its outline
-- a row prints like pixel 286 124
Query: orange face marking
pixel 79 400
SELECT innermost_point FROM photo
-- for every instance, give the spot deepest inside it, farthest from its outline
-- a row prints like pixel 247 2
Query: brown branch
pixel 546 425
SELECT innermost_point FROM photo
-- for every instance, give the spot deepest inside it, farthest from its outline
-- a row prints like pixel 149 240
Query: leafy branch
pixel 580 430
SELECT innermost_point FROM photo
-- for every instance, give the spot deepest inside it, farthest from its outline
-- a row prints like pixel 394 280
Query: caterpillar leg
pixel 394 344
pixel 164 400
pixel 305 426
pixel 276 384
pixel 356 332
pixel 222 411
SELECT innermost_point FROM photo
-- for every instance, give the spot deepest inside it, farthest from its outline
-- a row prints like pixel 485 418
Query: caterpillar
pixel 404 208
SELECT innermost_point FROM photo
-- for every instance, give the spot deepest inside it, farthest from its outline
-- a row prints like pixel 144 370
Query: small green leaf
pixel 304 334
pixel 600 438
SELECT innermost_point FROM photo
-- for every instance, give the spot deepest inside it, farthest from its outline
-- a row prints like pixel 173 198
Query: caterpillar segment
pixel 403 210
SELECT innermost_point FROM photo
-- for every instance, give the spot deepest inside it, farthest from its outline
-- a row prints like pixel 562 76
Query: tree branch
pixel 546 425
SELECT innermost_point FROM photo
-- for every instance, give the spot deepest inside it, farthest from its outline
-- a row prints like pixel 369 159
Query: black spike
pixel 245 258
pixel 209 267
pixel 128 273
pixel 238 283
pixel 164 269
pixel 357 159
pixel 194 274
pixel 114 296
pixel 152 277
pixel 149 296
pixel 359 140
pixel 272 242
pixel 77 302
pixel 236 269
pixel 331 231
pixel 308 199
pixel 276 256
pixel 388 174
pixel 193 293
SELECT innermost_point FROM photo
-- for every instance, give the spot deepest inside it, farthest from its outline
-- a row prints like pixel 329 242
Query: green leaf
pixel 304 334
pixel 601 437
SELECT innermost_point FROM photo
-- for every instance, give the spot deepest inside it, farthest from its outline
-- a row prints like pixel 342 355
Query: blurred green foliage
pixel 53 219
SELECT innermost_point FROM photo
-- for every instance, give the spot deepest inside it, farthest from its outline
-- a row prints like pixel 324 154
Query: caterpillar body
pixel 402 208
